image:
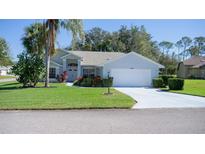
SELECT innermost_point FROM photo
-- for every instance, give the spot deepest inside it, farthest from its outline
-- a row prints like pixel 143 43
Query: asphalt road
pixel 104 121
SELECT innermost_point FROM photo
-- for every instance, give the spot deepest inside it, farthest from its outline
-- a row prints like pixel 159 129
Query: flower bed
pixel 93 82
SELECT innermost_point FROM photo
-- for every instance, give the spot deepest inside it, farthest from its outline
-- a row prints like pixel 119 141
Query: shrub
pixel 78 81
pixel 175 83
pixel 165 78
pixel 97 81
pixel 62 77
pixel 93 82
pixel 86 82
pixel 107 82
pixel 157 83
pixel 29 69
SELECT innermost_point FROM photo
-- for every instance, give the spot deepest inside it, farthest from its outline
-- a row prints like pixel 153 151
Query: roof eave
pixel 55 63
pixel 63 57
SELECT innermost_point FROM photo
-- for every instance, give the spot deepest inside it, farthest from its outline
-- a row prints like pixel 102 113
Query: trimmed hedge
pixel 97 82
pixel 175 83
pixel 158 83
pixel 78 81
pixel 165 78
pixel 108 82
pixel 87 82
pixel 93 82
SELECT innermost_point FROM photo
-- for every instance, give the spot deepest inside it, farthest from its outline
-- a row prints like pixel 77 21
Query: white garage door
pixel 131 77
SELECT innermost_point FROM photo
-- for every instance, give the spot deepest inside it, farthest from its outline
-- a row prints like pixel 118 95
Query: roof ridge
pixel 95 51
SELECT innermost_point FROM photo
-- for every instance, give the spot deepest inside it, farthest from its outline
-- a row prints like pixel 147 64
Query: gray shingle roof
pixel 199 65
pixel 96 58
pixel 194 60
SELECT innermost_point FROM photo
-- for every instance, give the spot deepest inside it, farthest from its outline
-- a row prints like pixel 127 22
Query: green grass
pixel 7 77
pixel 193 87
pixel 59 96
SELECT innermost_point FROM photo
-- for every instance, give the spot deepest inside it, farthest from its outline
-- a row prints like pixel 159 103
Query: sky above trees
pixel 160 30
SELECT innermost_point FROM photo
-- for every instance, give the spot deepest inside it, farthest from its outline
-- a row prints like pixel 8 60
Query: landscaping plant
pixel 165 78
pixel 97 81
pixel 175 83
pixel 93 82
pixel 78 81
pixel 158 83
pixel 29 69
pixel 87 82
pixel 62 77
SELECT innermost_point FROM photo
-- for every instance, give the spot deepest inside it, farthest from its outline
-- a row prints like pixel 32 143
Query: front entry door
pixel 72 75
pixel 72 71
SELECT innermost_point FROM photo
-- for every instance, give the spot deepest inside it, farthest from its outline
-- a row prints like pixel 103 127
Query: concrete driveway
pixel 154 98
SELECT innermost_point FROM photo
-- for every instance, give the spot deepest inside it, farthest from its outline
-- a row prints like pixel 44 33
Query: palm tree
pixel 33 39
pixel 75 26
pixel 166 46
pixel 186 42
pixel 52 26
pixel 199 42
pixel 179 45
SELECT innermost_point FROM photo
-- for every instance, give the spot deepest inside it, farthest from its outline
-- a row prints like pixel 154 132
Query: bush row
pixel 157 83
pixel 93 82
pixel 176 84
pixel 168 80
pixel 165 78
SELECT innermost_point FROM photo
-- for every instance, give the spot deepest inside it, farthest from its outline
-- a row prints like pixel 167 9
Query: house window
pixel 72 64
pixel 72 67
pixel 88 72
pixel 52 72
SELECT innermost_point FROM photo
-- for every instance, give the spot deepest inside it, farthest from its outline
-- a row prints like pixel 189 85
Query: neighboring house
pixel 5 70
pixel 193 67
pixel 129 69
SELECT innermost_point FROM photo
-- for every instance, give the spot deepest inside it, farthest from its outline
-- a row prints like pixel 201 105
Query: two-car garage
pixel 131 77
pixel 132 70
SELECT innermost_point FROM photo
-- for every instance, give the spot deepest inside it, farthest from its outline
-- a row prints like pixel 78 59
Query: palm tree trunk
pixel 47 68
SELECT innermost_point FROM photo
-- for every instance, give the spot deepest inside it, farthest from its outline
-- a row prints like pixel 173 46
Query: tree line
pixel 185 47
pixel 5 58
pixel 137 39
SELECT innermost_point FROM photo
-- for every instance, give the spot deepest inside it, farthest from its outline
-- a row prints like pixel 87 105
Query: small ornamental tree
pixel 29 69
pixel 63 77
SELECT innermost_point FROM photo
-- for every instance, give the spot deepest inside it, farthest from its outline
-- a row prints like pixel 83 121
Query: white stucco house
pixel 129 69
pixel 5 70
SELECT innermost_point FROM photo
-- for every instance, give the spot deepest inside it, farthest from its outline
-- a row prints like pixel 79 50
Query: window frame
pixel 52 74
pixel 89 72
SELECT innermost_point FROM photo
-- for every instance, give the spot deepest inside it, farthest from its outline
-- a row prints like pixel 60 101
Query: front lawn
pixel 193 87
pixel 7 77
pixel 59 96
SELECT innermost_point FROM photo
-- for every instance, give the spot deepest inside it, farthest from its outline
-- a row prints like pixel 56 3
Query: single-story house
pixel 193 67
pixel 5 70
pixel 129 69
